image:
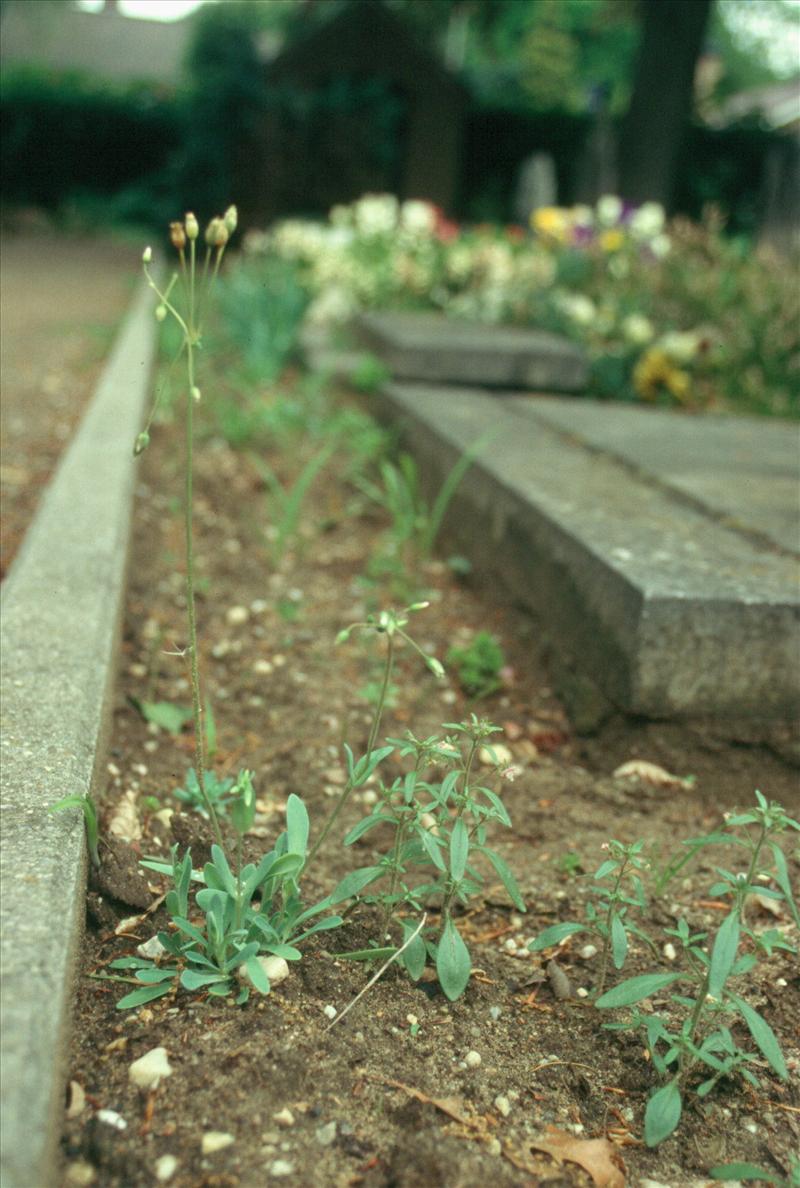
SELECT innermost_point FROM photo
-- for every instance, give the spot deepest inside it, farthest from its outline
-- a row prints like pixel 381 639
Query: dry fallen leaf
pixel 651 773
pixel 598 1157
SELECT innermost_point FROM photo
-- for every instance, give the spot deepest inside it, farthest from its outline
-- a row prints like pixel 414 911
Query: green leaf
pixel 783 880
pixel 432 847
pixel 171 718
pixel 257 975
pixel 723 954
pixel 364 826
pixel 506 878
pixel 152 977
pixel 554 935
pixel 453 962
pixel 764 1036
pixel 744 1171
pixel 619 941
pixel 297 825
pixel 192 980
pixel 140 997
pixel 459 850
pixel 354 883
pixel 663 1114
pixel 221 870
pixel 634 990
pixel 415 955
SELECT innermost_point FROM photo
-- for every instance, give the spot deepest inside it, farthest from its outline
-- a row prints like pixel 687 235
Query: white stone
pixel 149 1070
pixel 587 952
pixel 329 1012
pixel 497 755
pixel 236 615
pixel 166 1166
pixel 112 1118
pixel 216 1140
pixel 472 1059
pixel 281 1167
pixel 670 952
pixel 276 969
pixel 326 1134
pixel 284 1117
pixel 80 1174
pixel 152 948
pixel 502 1105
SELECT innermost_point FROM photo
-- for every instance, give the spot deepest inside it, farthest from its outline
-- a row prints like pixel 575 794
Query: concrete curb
pixel 669 612
pixel 61 609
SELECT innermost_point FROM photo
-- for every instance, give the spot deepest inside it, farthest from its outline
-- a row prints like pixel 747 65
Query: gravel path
pixel 62 298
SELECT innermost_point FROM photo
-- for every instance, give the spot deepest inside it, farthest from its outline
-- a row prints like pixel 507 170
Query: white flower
pixel 680 346
pixel 333 305
pixel 417 217
pixel 376 214
pixel 609 210
pixel 583 216
pixel 578 307
pixel 648 221
pixel 637 328
pixel 660 246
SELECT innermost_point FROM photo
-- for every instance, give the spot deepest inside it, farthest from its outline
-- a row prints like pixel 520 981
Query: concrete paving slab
pixel 671 611
pixel 438 349
pixel 743 470
pixel 59 631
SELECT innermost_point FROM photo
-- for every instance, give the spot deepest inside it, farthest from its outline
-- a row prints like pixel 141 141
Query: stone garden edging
pixel 62 605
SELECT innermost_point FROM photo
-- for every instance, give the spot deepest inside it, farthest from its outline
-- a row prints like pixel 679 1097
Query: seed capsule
pixel 192 227
pixel 177 236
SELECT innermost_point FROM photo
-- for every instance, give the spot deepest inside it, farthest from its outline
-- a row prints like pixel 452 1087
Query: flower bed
pixel 674 314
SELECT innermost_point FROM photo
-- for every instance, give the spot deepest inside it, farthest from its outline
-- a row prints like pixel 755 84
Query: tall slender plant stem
pixel 197 703
pixel 373 735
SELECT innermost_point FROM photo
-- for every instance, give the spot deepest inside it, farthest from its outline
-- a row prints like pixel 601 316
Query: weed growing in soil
pixel 440 827
pixel 618 888
pixel 695 1034
pixel 220 792
pixel 253 912
pixel 478 665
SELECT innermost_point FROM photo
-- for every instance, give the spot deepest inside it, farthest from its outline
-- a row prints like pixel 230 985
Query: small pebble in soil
pixel 112 1118
pixel 326 1134
pixel 284 1117
pixel 502 1105
pixel 497 754
pixel 281 1167
pixel 216 1140
pixel 472 1059
pixel 236 615
pixel 510 945
pixel 582 992
pixel 670 952
pixel 113 769
pixel 138 670
pixel 80 1173
pixel 495 1012
pixel 329 1011
pixel 150 745
pixel 587 952
pixel 263 667
pixel 412 1019
pixel 149 1070
pixel 258 606
pixel 165 1169
pixel 494 1147
pixel 152 948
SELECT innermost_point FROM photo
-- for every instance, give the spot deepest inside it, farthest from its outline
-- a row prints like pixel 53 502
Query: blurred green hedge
pixel 65 135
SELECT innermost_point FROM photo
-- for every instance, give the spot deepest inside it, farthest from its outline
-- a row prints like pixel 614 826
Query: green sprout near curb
pixel 87 807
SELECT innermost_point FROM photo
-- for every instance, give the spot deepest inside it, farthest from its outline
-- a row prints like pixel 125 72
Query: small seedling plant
pixel 238 915
pixel 695 1035
pixel 478 665
pixel 440 824
pixel 617 889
